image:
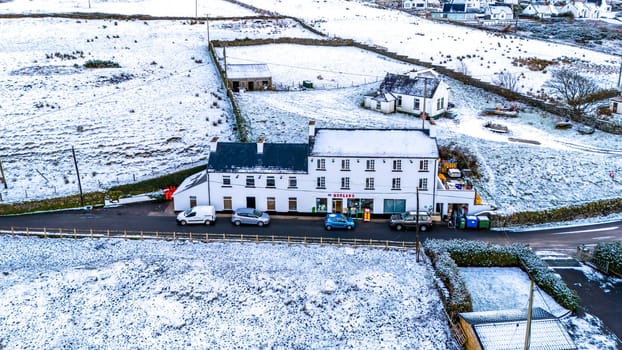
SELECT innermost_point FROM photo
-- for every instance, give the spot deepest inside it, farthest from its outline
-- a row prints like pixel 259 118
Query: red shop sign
pixel 343 195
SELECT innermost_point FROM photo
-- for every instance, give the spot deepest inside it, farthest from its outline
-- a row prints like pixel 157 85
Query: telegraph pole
pixel 620 74
pixel 75 162
pixel 207 21
pixel 2 176
pixel 417 227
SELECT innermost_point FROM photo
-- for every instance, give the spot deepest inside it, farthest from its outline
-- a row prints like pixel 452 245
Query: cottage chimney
pixel 213 144
pixel 260 145
pixel 311 130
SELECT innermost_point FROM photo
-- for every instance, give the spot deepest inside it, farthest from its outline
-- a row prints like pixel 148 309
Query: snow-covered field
pixel 119 294
pixel 156 113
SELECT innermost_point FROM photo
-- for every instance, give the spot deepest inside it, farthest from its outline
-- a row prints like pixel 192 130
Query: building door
pixel 337 205
pixel 250 202
pixel 251 85
pixel 236 86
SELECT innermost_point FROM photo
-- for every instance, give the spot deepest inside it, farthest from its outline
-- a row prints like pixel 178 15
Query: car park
pixel 200 214
pixel 338 221
pixel 250 216
pixel 410 220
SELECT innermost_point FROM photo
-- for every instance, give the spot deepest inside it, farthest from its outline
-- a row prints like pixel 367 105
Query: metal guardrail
pixel 204 237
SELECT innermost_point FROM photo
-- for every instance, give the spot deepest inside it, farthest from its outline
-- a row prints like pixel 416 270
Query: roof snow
pixel 400 143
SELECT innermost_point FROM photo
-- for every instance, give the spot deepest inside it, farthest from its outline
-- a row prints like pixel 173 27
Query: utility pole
pixel 417 227
pixel 529 310
pixel 196 8
pixel 75 162
pixel 423 116
pixel 620 74
pixel 2 176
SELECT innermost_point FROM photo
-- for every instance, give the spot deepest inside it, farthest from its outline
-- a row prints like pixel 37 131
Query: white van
pixel 201 214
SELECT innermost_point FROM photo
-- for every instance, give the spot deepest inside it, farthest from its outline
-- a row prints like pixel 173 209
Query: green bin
pixel 307 84
pixel 462 223
pixel 483 222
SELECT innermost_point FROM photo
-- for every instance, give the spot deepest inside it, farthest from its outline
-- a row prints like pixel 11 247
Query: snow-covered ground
pixel 76 294
pixel 156 113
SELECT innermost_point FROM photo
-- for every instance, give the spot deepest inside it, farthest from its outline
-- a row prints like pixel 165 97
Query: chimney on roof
pixel 311 130
pixel 260 145
pixel 213 144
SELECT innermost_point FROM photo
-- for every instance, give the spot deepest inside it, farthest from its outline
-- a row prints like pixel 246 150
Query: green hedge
pixel 447 256
pixel 611 253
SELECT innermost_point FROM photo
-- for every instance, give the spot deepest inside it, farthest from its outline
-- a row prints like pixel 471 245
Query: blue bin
pixel 471 221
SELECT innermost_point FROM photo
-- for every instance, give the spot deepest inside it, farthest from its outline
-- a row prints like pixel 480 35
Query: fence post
pixel 45 233
pixel 190 236
pixel 321 241
pixel 141 235
pixel 305 240
pixel 174 238
pixel 338 240
pixel 108 233
pixel 157 235
pixel 75 233
pixel 125 234
pixel 12 231
pixel 272 239
pixel 386 246
pixel 27 232
pixel 288 240
pixel 60 232
pixel 206 237
pixel 256 238
pixel 91 233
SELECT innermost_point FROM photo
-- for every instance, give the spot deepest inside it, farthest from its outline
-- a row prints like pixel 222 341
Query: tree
pixel 506 80
pixel 578 91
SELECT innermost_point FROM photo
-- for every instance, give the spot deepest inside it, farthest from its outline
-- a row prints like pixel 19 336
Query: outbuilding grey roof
pixel 247 71
pixel 405 85
pixel 243 157
pixel 506 329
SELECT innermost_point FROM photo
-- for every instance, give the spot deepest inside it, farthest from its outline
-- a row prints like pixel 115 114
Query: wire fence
pixel 204 237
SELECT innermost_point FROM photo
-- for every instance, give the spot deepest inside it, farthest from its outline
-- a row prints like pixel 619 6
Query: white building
pixel 337 170
pixel 418 92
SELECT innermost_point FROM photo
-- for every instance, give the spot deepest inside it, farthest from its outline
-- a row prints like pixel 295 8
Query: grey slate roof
pixel 247 71
pixel 404 85
pixel 243 157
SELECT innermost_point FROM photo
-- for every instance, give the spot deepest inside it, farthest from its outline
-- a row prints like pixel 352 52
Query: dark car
pixel 338 221
pixel 410 220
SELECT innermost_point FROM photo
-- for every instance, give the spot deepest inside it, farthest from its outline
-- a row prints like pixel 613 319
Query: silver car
pixel 250 216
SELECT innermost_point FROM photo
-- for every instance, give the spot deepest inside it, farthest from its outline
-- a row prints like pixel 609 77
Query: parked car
pixel 200 214
pixel 250 216
pixel 410 220
pixel 338 221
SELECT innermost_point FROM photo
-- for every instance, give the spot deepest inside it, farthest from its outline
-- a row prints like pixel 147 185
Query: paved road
pixel 600 298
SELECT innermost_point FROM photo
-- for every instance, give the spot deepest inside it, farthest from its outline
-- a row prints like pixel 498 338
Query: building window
pixel 396 183
pixel 397 165
pixel 270 203
pixel 321 204
pixel 423 184
pixel 321 164
pixel 394 205
pixel 250 181
pixel 193 201
pixel 378 105
pixel 440 103
pixel 345 165
pixel 226 181
pixel 270 182
pixel 293 183
pixel 292 204
pixel 371 165
pixel 226 203
pixel 417 105
pixel 423 165
pixel 369 183
pixel 321 182
pixel 399 101
pixel 345 183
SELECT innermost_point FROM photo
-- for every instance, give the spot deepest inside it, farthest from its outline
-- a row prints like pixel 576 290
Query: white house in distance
pixel 337 170
pixel 415 93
